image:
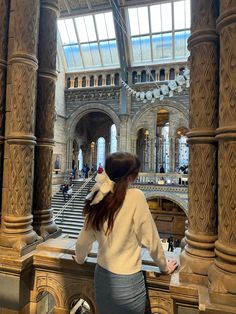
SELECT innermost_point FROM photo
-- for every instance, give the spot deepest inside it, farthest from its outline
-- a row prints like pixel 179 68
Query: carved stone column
pixel 123 144
pixel 17 231
pixel 43 214
pixel 202 218
pixel 4 20
pixel 222 275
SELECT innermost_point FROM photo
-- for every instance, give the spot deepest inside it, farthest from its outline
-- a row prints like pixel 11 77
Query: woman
pixel 120 220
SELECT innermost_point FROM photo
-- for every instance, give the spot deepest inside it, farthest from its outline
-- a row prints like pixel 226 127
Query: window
pixel 113 139
pixel 100 80
pixel 80 159
pixel 89 42
pixel 117 79
pixel 159 32
pixel 101 151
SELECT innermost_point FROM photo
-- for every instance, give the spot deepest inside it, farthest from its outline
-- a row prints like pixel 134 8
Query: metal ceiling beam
pixel 120 29
pixel 89 4
pixel 67 6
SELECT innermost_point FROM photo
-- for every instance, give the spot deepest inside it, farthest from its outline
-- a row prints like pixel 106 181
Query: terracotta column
pixel 4 21
pixel 17 231
pixel 43 214
pixel 222 275
pixel 202 217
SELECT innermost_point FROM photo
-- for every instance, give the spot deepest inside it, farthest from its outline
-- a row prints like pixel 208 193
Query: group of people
pixel 67 190
pixel 119 219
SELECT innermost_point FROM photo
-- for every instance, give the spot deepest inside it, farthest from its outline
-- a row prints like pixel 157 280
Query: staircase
pixel 68 215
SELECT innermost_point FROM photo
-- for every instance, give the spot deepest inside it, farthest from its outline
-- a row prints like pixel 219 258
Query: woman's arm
pixel 148 236
pixel 84 244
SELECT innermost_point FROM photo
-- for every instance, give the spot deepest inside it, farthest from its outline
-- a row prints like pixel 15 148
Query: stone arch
pixel 53 292
pixel 165 104
pixel 87 108
pixel 183 203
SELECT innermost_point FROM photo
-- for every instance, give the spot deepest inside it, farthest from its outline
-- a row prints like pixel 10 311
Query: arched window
pixel 162 75
pixel 92 81
pixel 113 139
pixel 166 146
pixel 153 76
pixel 100 80
pixel 134 77
pixel 76 82
pixel 84 81
pixel 172 74
pixel 117 79
pixel 181 71
pixel 143 149
pixel 68 82
pixel 80 159
pixel 183 151
pixel 101 151
pixel 108 79
pixel 143 76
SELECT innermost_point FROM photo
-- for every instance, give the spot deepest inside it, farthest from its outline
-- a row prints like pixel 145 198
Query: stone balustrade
pixel 163 178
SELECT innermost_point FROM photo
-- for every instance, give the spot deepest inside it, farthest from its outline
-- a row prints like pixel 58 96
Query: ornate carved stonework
pixel 43 214
pixel 4 19
pixel 26 26
pixel 222 275
pixel 204 92
pixel 92 95
pixel 22 104
pixel 203 15
pixel 202 229
pixel 18 178
pixel 228 76
pixel 202 200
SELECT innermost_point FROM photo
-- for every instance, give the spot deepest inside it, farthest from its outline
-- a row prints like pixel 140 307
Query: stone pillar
pixel 17 231
pixel 222 275
pixel 202 217
pixel 4 20
pixel 43 214
pixel 123 144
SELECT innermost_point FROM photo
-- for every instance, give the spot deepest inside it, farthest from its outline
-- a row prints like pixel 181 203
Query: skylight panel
pixel 63 32
pixel 101 26
pixel 166 17
pixel 133 20
pixel 155 12
pixel 89 22
pixel 71 31
pixel 179 15
pixel 139 21
pixel 110 25
pixel 81 29
pixel 188 13
pixel 143 20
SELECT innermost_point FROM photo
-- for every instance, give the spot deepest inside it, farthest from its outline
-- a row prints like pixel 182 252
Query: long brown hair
pixel 121 168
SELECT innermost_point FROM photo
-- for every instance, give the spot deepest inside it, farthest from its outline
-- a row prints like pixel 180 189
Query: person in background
pixel 100 168
pixel 119 219
pixel 162 170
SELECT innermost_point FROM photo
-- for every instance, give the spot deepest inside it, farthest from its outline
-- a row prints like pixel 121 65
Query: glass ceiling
pixel 89 41
pixel 159 33
pixel 156 33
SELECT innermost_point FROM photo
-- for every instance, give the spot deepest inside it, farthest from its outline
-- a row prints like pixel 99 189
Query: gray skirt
pixel 119 294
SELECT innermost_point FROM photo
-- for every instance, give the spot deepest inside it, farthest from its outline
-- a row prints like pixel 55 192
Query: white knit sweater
pixel 119 252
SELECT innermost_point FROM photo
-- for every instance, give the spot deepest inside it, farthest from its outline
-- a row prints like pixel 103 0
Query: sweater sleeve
pixel 147 233
pixel 84 244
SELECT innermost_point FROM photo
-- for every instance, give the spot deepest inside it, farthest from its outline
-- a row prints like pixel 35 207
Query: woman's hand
pixel 172 265
pixel 74 257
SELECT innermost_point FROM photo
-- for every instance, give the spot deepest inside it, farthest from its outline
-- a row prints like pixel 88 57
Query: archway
pixel 169 217
pixel 89 129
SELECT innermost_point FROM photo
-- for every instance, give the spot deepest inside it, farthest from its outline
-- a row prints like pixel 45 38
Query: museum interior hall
pixel 82 79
